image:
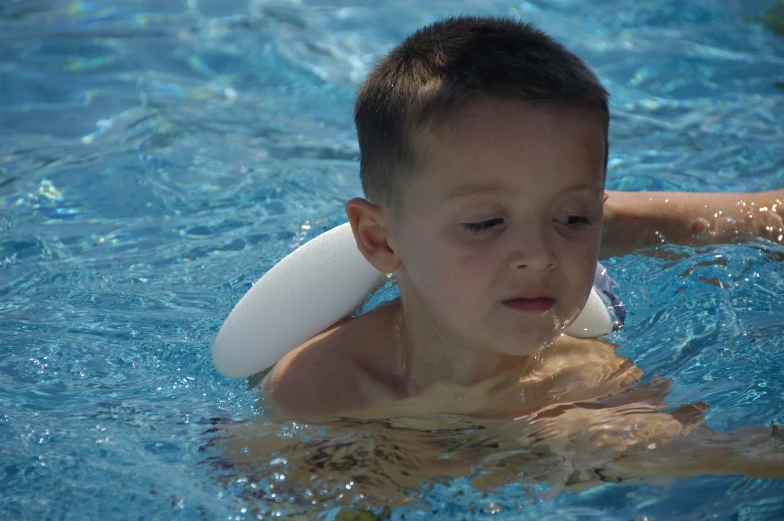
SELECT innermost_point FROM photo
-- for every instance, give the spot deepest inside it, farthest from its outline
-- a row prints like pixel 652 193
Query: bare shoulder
pixel 330 373
pixel 594 356
pixel 577 369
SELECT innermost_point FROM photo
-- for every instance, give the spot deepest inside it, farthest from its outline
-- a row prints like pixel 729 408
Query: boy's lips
pixel 531 299
pixel 536 304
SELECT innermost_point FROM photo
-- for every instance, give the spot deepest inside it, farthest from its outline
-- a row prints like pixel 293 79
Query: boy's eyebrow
pixel 475 189
pixel 484 189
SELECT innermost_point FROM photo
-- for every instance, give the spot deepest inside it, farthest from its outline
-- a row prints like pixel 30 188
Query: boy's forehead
pixel 488 111
pixel 468 152
pixel 489 130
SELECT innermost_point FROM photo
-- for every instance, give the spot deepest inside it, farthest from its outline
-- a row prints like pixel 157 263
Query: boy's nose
pixel 532 251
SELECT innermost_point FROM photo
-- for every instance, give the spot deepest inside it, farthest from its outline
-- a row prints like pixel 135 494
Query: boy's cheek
pixel 456 280
pixel 583 252
pixel 474 262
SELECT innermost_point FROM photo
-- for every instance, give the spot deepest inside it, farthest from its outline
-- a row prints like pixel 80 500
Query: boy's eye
pixel 483 226
pixel 574 220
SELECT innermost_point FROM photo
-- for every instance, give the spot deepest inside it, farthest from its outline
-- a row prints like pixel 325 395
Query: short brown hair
pixel 442 66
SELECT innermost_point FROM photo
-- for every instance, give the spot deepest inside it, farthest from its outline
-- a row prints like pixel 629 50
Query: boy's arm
pixel 636 220
pixel 756 452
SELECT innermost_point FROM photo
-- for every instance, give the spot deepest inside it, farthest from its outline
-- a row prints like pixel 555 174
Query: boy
pixel 483 158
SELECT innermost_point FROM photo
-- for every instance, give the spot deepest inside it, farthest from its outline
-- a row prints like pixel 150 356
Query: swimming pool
pixel 156 157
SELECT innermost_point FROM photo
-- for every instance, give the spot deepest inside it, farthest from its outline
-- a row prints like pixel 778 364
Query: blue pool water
pixel 157 157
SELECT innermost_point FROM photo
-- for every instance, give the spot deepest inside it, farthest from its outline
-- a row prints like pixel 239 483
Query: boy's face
pixel 499 232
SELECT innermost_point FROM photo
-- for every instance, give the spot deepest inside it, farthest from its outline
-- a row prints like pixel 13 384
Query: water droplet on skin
pixel 700 228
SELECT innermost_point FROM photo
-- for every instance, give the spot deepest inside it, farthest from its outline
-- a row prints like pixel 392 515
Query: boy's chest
pixel 560 380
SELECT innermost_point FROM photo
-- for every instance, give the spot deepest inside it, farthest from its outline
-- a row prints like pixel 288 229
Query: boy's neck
pixel 428 356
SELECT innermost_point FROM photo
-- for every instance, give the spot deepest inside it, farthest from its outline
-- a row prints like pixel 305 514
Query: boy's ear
pixel 371 232
pixel 606 196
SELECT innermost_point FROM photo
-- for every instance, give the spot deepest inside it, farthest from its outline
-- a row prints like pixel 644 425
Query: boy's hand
pixel 636 220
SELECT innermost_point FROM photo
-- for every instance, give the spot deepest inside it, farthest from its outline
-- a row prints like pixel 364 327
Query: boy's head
pixel 425 80
pixel 484 147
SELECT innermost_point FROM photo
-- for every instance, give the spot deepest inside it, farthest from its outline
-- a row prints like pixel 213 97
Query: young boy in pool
pixel 484 152
pixel 483 159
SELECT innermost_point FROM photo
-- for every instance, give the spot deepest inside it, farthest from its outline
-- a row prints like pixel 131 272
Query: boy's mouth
pixel 537 305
